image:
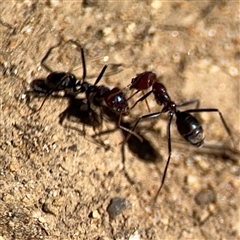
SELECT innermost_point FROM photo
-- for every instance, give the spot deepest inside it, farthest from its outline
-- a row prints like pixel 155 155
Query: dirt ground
pixel 58 182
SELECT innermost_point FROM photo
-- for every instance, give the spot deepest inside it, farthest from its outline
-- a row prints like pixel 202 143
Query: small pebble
pixel 156 4
pixel 135 236
pixel 95 214
pixel 214 69
pixel 116 207
pixel 42 219
pixel 49 208
pixel 212 33
pixel 165 221
pixel 193 182
pixel 205 197
pixel 233 71
pixel 36 214
pixel 174 33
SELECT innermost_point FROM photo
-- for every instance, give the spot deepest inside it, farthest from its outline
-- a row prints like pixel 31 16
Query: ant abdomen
pixel 65 81
pixel 189 128
pixel 55 81
pixel 39 86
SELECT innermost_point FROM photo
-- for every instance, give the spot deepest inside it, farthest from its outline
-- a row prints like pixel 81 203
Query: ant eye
pixel 118 99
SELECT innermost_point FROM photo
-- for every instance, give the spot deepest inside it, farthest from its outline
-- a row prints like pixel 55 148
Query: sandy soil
pixel 57 182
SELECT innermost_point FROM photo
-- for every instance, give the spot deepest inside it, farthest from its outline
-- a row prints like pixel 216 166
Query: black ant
pixel 114 99
pixel 188 126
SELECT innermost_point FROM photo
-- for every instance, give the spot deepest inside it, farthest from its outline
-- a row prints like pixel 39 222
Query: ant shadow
pixel 78 111
pixel 144 151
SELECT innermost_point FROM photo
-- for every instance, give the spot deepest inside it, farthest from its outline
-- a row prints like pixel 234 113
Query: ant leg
pixel 43 64
pixel 124 168
pixel 151 115
pixel 128 130
pixel 169 158
pixel 96 82
pixel 83 65
pixel 189 103
pixel 141 99
pixel 88 92
pixel 146 103
pixel 212 110
pixel 30 95
pixel 144 93
pixel 100 75
pixel 131 133
pixel 133 94
pixel 83 58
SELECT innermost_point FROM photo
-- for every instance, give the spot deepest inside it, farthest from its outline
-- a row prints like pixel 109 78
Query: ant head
pixel 189 128
pixel 116 101
pixel 143 81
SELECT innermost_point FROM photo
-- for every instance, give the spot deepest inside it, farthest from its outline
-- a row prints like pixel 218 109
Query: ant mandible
pixel 188 126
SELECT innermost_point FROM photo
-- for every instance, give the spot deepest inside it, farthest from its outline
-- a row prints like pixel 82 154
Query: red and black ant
pixel 188 126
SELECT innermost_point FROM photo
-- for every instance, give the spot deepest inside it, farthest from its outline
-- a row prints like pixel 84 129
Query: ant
pixel 114 99
pixel 188 126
